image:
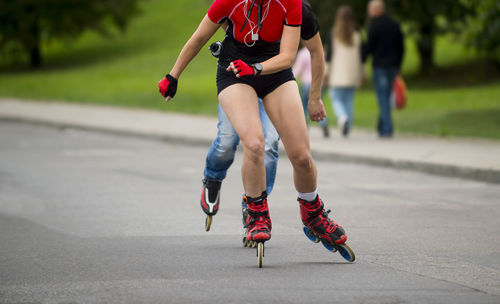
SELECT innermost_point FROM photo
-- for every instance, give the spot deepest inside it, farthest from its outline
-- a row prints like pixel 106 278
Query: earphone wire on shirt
pixel 254 26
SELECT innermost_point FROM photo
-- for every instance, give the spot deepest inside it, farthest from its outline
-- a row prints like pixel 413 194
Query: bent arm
pixel 288 50
pixel 315 105
pixel 315 48
pixel 200 37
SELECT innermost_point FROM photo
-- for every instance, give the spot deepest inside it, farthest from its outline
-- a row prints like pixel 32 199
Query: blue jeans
pixel 342 102
pixel 383 79
pixel 221 153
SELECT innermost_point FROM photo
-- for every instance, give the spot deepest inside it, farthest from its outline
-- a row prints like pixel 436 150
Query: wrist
pixel 257 69
pixel 174 74
pixel 314 98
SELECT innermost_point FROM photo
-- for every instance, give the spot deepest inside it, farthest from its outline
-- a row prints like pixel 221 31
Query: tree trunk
pixel 35 57
pixel 425 45
pixel 34 45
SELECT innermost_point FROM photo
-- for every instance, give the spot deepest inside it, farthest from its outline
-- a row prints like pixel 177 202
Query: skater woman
pixel 223 149
pixel 260 46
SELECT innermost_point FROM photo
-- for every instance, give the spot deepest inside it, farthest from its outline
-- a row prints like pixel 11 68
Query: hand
pixel 168 87
pixel 240 68
pixel 316 109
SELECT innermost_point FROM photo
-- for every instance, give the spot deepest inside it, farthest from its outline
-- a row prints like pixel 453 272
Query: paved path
pixel 88 217
pixel 468 158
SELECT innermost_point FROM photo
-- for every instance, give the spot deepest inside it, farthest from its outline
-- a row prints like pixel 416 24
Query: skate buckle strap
pixel 316 212
pixel 258 213
pixel 260 223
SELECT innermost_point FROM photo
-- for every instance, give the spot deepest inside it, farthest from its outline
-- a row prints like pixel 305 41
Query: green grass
pixel 461 99
pixel 124 70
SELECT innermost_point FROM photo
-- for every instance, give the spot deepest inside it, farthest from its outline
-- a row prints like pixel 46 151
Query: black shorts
pixel 262 84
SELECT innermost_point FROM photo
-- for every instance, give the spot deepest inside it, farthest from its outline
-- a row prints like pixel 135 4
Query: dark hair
pixel 345 25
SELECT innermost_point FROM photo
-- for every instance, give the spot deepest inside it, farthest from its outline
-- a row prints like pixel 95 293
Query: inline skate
pixel 257 224
pixel 210 199
pixel 318 227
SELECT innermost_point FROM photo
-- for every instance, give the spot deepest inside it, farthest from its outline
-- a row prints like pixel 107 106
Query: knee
pixel 301 160
pixel 254 147
pixel 226 142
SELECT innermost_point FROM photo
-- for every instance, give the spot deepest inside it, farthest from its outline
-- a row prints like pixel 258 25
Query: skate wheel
pixel 346 252
pixel 208 222
pixel 311 235
pixel 328 246
pixel 260 254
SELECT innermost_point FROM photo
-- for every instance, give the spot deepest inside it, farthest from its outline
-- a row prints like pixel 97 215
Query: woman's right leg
pixel 240 103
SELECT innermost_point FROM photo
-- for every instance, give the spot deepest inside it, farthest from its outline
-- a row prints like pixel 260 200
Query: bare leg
pixel 284 108
pixel 240 103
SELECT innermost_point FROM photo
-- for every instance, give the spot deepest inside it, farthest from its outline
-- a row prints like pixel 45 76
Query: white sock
pixel 308 196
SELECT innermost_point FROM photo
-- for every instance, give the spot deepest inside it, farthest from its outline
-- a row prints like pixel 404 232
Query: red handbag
pixel 399 94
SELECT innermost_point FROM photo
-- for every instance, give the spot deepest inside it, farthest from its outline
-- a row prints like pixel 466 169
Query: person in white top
pixel 302 71
pixel 345 70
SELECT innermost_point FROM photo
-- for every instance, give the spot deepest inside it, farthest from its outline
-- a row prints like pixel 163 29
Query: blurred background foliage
pixel 425 20
pixel 114 52
pixel 26 24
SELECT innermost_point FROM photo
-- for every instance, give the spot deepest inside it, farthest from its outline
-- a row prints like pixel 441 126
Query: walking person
pixel 260 45
pixel 386 45
pixel 345 69
pixel 302 70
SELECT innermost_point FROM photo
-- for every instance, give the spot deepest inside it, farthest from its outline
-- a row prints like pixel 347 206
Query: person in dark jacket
pixel 386 46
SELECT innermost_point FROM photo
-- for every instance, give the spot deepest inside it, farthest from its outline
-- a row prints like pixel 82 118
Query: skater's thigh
pixel 284 108
pixel 241 105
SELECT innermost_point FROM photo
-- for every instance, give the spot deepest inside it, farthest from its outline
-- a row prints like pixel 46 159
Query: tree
pixel 26 24
pixel 423 19
pixel 483 29
pixel 428 18
pixel 325 10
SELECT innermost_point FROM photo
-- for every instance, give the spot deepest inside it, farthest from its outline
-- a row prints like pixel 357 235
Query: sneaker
pixel 210 195
pixel 326 131
pixel 344 126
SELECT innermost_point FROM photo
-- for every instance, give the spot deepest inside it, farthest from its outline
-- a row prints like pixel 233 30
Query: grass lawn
pixel 463 99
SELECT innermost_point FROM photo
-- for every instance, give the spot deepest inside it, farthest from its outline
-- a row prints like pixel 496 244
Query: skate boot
pixel 209 201
pixel 319 227
pixel 259 224
pixel 245 218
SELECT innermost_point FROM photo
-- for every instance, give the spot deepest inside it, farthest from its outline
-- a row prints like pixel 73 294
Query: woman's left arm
pixel 288 51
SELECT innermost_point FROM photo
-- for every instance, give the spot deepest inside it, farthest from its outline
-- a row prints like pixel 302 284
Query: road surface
pixel 97 218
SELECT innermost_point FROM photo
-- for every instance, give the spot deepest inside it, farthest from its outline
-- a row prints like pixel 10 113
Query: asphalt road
pixel 97 218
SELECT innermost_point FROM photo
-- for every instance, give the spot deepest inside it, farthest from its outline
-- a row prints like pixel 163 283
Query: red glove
pixel 243 68
pixel 168 86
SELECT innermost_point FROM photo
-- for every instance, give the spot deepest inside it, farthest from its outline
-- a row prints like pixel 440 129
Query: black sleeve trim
pixel 310 26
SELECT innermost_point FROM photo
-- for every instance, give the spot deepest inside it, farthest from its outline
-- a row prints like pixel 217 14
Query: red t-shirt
pixel 275 14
